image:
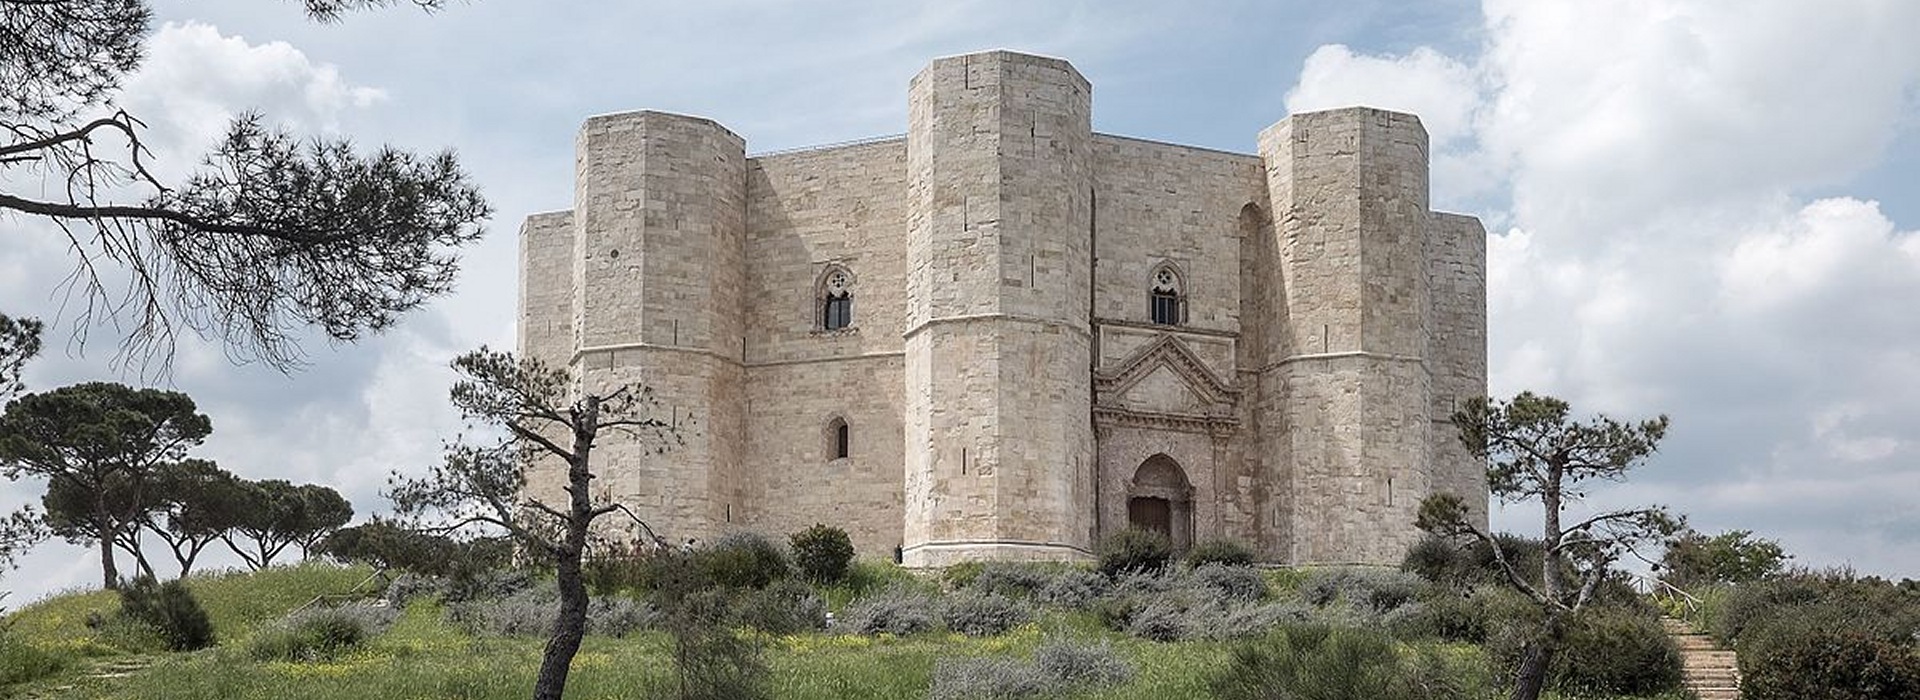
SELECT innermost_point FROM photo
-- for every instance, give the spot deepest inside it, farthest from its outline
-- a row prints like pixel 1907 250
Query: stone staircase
pixel 1709 671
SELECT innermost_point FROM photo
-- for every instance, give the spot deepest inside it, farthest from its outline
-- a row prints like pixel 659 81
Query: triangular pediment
pixel 1166 373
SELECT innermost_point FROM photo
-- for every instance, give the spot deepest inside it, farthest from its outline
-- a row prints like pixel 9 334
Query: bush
pixel 1228 552
pixel 785 607
pixel 822 553
pixel 1617 652
pixel 897 610
pixel 1835 600
pixel 977 614
pixel 1377 590
pixel 1059 667
pixel 743 560
pixel 1606 650
pixel 21 661
pixel 1783 663
pixel 383 544
pixel 531 612
pixel 1133 550
pixel 1073 589
pixel 1161 620
pixel 1238 584
pixel 170 610
pixel 1081 664
pixel 994 678
pixel 1011 579
pixel 710 662
pixel 1315 663
pixel 319 634
pixel 621 573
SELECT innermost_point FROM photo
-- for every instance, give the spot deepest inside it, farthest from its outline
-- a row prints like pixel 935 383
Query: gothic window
pixel 836 300
pixel 1165 302
pixel 838 444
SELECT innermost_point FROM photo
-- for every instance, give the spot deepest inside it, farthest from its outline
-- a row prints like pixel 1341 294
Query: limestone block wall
pixel 660 209
pixel 1457 274
pixel 1159 203
pixel 1352 387
pixel 998 350
pixel 808 211
pixel 546 322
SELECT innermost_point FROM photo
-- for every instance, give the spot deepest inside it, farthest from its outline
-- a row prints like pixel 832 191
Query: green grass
pixel 423 656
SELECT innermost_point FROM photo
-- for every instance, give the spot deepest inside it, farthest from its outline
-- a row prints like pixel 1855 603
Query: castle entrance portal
pixel 1160 499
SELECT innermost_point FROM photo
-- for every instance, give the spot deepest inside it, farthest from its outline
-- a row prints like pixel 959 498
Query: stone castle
pixel 1003 335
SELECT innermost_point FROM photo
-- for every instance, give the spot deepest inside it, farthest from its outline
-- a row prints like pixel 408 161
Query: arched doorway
pixel 1160 499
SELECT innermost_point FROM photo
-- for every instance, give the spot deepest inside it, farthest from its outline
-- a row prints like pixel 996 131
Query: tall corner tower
pixel 659 232
pixel 999 437
pixel 1349 378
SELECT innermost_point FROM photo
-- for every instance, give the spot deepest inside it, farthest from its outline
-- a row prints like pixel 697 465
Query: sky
pixel 1696 208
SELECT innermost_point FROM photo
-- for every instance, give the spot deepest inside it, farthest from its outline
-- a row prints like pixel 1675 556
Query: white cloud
pixel 196 79
pixel 1653 160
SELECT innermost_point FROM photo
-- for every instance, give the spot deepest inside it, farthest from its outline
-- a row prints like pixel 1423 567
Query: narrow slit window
pixel 839 444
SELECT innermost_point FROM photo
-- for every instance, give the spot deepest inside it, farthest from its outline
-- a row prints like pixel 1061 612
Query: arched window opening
pixel 836 301
pixel 839 444
pixel 1165 298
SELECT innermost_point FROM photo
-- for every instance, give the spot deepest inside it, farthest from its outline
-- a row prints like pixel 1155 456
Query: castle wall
pixel 807 211
pixel 999 444
pixel 660 209
pixel 546 322
pixel 1457 274
pixel 1158 203
pixel 1002 379
pixel 1352 389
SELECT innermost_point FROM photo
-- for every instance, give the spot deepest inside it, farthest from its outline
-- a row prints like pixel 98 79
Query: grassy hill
pixel 424 654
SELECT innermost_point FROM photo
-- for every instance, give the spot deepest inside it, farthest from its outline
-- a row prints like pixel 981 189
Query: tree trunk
pixel 1536 659
pixel 569 626
pixel 1532 677
pixel 110 576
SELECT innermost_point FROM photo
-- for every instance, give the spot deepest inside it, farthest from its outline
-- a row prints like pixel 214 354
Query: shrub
pixel 1133 550
pixel 1073 588
pixel 1081 664
pixel 1787 663
pixel 710 662
pixel 319 634
pixel 1059 667
pixel 1239 584
pixel 1012 579
pixel 1161 620
pixel 1617 652
pixel 1378 590
pixel 897 610
pixel 621 573
pixel 170 610
pixel 531 612
pixel 1605 650
pixel 1325 663
pixel 995 678
pixel 387 545
pixel 822 553
pixel 785 607
pixel 1229 552
pixel 21 661
pixel 978 614
pixel 743 560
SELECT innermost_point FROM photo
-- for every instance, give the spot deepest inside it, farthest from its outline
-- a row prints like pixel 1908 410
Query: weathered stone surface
pixel 1007 391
